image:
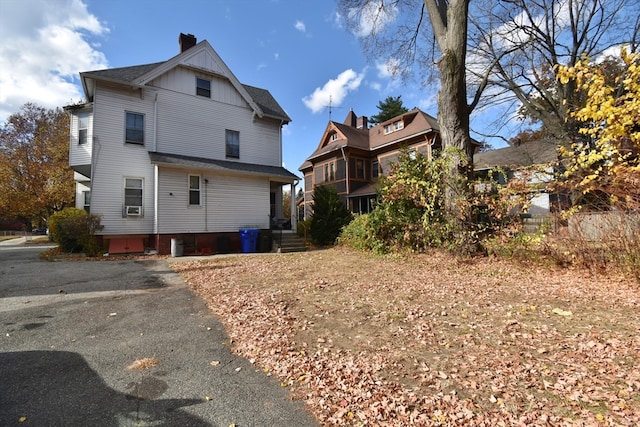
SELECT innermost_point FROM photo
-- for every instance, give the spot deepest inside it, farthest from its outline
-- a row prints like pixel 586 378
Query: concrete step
pixel 289 243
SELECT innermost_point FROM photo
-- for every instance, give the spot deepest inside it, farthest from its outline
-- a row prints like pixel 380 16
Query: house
pixel 351 155
pixel 178 152
pixel 538 157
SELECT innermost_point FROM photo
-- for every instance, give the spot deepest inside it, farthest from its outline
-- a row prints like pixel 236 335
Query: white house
pixel 178 150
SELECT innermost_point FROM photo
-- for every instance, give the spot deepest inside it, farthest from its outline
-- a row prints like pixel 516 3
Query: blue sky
pixel 297 49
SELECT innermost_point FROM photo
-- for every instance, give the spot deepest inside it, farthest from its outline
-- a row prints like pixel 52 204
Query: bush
pixel 74 230
pixel 360 234
pixel 329 215
pixel 411 214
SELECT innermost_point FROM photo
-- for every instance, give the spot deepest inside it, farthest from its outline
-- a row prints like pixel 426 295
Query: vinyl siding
pixel 80 154
pixel 195 126
pixel 114 160
pixel 228 203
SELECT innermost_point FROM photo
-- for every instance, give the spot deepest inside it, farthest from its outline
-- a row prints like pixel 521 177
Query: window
pixel 86 201
pixel 194 190
pixel 375 169
pixel 135 128
pixel 133 196
pixel 360 169
pixel 394 127
pixel 329 172
pixel 232 139
pixel 334 136
pixel 83 128
pixel 203 87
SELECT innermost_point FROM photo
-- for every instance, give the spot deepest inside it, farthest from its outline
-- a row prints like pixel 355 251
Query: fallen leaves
pixel 143 364
pixel 432 340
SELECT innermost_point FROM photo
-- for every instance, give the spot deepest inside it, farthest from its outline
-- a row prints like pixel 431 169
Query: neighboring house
pixel 178 150
pixel 517 160
pixel 351 156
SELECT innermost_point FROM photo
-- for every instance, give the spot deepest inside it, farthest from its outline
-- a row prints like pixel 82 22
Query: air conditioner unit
pixel 133 210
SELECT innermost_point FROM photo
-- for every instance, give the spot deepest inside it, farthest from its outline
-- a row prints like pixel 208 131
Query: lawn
pixel 432 339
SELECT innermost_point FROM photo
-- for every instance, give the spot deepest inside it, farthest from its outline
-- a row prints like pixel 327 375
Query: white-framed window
pixel 232 144
pixel 194 190
pixel 334 136
pixel 134 128
pixel 86 201
pixel 133 196
pixel 203 87
pixel 83 128
pixel 392 127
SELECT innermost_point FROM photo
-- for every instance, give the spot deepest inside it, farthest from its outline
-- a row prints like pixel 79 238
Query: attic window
pixel 392 127
pixel 203 87
pixel 334 136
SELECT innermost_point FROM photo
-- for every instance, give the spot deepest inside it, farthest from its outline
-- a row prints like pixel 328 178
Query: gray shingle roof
pixel 261 97
pixel 527 154
pixel 122 74
pixel 274 172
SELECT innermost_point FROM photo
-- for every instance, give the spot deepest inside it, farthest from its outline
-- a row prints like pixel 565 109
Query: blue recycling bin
pixel 249 240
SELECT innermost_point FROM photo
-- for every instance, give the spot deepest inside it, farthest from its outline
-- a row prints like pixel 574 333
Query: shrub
pixel 74 230
pixel 410 214
pixel 360 234
pixel 329 215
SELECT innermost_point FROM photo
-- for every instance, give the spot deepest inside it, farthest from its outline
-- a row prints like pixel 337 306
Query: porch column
pixel 294 213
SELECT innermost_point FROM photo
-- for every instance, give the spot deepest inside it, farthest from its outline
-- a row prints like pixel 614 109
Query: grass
pixel 433 339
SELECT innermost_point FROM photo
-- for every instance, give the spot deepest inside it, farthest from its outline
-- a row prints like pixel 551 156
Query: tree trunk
pixel 449 22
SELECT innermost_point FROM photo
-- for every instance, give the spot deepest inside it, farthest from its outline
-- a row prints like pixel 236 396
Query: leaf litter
pixel 432 339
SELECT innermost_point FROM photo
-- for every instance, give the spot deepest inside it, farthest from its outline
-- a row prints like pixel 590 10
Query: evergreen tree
pixel 329 215
pixel 389 108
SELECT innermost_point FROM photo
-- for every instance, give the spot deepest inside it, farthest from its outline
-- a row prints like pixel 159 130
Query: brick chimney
pixel 362 123
pixel 186 41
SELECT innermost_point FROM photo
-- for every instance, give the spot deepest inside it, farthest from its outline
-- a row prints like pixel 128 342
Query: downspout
pixel 206 220
pixel 156 192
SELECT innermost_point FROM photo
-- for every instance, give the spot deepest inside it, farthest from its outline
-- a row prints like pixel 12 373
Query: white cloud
pixel 334 91
pixel 299 25
pixel 44 47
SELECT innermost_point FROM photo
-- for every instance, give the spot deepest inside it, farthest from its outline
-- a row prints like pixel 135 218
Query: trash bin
pixel 249 239
pixel 264 241
pixel 177 247
pixel 223 244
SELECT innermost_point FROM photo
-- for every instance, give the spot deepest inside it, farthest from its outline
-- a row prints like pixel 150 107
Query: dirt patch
pixel 432 339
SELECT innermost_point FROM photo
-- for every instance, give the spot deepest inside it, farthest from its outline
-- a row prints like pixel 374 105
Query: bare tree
pixel 517 44
pixel 506 50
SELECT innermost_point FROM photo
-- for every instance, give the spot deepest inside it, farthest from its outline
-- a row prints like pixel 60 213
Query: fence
pixel 605 226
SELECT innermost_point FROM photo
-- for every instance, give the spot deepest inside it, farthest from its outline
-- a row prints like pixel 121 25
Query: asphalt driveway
pixel 70 330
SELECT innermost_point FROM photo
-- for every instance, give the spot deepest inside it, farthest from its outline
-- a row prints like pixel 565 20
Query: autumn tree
pixel 387 109
pixel 35 177
pixel 607 160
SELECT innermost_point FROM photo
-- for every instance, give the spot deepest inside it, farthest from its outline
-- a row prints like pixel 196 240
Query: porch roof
pixel 275 173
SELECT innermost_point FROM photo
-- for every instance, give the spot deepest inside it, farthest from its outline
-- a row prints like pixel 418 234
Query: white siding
pixel 114 160
pixel 195 126
pixel 81 187
pixel 183 80
pixel 228 203
pixel 80 154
